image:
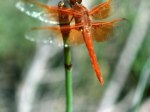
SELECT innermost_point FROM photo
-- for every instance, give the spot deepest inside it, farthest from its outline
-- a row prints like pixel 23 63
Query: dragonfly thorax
pixel 73 2
pixel 84 15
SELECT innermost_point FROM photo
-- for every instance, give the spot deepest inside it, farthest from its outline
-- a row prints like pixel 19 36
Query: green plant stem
pixel 68 78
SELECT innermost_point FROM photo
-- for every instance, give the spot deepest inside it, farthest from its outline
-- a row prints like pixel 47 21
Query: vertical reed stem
pixel 68 78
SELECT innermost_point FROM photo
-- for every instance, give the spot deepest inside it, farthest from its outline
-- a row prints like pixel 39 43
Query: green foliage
pixel 143 55
pixel 15 48
pixel 12 30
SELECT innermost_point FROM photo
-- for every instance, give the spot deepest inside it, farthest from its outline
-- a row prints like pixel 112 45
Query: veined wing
pixel 43 12
pixel 35 11
pixel 45 35
pixel 107 10
pixel 103 31
pixel 102 10
pixel 53 35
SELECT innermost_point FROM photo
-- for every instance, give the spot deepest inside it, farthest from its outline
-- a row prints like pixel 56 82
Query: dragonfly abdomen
pixel 89 44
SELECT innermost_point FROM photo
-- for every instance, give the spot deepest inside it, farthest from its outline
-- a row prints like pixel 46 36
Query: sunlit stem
pixel 68 78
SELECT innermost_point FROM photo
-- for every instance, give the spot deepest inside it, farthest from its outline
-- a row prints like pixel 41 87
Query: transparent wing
pixel 45 35
pixel 43 12
pixel 53 35
pixel 103 31
pixel 32 9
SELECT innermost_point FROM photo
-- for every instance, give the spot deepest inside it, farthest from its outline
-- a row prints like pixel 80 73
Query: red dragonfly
pixel 81 28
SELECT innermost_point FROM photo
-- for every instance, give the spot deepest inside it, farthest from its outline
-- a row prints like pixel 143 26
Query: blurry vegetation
pixel 16 54
pixel 13 26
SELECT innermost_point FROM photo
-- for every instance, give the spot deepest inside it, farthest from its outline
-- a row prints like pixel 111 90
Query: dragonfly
pixel 80 25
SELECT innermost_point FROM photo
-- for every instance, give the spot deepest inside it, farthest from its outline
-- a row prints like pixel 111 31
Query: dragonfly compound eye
pixel 79 1
pixel 72 2
pixel 61 4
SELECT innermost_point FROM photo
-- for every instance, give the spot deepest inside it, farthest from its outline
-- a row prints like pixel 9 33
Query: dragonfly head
pixel 73 2
pixel 61 4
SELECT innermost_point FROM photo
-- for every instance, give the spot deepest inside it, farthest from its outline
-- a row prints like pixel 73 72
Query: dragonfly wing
pixel 102 10
pixel 75 37
pixel 39 11
pixel 43 12
pixel 53 35
pixel 103 31
pixel 45 35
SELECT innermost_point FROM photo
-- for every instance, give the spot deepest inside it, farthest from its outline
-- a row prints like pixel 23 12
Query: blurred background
pixel 32 75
